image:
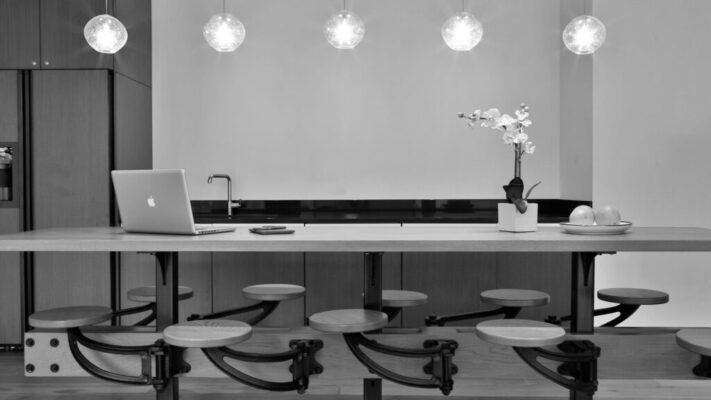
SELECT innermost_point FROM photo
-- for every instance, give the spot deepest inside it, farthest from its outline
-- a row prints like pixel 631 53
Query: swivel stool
pixel 628 301
pixel 268 296
pixel 528 339
pixel 352 323
pixel 697 340
pixel 163 359
pixel 509 303
pixel 147 294
pixel 394 301
pixel 213 337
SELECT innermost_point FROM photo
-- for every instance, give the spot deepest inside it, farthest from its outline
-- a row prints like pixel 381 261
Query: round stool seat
pixel 273 292
pixel 520 332
pixel 633 296
pixel 403 298
pixel 348 321
pixel 515 297
pixel 70 317
pixel 697 340
pixel 147 294
pixel 207 333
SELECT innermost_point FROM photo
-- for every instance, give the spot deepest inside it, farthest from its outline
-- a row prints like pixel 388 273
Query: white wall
pixel 651 144
pixel 576 123
pixel 376 122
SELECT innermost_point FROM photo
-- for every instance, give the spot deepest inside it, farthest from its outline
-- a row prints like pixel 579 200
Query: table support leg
pixel 582 293
pixel 373 281
pixel 167 310
pixel 373 300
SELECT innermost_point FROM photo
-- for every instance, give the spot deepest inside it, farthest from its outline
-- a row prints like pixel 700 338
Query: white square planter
pixel 511 220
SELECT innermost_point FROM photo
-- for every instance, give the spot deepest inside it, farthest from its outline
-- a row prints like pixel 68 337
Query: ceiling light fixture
pixel 223 32
pixel 344 30
pixel 585 33
pixel 105 33
pixel 462 32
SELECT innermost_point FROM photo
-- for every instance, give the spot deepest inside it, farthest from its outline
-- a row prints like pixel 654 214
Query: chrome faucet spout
pixel 229 189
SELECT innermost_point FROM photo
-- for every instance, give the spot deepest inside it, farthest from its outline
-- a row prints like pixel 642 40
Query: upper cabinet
pixel 19 34
pixel 49 34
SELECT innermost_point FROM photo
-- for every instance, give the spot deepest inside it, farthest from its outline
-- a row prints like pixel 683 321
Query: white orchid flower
pixel 506 122
pixel 520 137
pixel 526 123
pixel 508 137
pixel 529 148
pixel 521 115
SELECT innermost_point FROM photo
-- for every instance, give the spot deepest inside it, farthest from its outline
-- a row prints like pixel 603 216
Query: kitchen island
pixel 372 241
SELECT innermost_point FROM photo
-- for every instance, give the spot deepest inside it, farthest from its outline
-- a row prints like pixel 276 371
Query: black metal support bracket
pixel 625 311
pixel 266 307
pixel 137 310
pixel 168 360
pixel 507 312
pixel 302 354
pixel 703 368
pixel 584 382
pixel 439 352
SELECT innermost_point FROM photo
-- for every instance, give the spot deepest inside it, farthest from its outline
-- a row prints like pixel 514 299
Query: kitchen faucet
pixel 230 206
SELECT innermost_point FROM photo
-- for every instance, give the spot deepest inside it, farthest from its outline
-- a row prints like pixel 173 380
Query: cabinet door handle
pixel 46 63
pixel 34 63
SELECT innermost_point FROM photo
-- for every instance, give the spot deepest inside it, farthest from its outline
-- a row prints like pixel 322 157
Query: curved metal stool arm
pixel 302 354
pixel 508 312
pixel 439 351
pixel 625 311
pixel 136 310
pixel 267 307
pixel 164 355
pixel 584 384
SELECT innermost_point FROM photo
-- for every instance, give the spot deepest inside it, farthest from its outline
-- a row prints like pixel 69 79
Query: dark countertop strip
pixel 372 211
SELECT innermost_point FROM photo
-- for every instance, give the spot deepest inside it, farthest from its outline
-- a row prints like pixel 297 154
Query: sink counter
pixel 371 211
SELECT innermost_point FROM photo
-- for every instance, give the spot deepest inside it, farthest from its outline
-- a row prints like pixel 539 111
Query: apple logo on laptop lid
pixel 151 201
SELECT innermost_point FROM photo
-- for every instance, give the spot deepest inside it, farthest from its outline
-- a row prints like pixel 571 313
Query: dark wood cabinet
pixel 19 34
pixel 71 161
pixel 49 34
pixel 10 214
pixel 62 34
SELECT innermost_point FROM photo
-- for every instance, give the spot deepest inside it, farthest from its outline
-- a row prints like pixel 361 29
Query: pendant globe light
pixel 223 32
pixel 105 33
pixel 462 32
pixel 585 33
pixel 344 30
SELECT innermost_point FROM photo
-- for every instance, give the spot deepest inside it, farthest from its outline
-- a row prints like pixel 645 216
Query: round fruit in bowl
pixel 582 215
pixel 607 215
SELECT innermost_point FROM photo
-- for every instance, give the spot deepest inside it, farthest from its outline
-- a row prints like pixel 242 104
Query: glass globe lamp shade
pixel 344 30
pixel 105 34
pixel 584 34
pixel 462 32
pixel 224 33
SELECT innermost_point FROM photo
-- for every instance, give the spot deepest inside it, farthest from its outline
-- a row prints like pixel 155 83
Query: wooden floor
pixel 633 367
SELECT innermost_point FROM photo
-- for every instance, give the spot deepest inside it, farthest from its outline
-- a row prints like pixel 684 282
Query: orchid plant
pixel 513 134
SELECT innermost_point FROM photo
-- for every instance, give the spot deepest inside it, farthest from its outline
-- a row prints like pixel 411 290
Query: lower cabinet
pixel 452 281
pixel 195 271
pixel 233 271
pixel 335 280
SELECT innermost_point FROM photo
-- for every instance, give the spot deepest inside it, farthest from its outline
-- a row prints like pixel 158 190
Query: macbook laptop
pixel 157 201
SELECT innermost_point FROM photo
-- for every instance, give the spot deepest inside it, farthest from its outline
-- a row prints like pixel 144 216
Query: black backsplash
pixel 371 211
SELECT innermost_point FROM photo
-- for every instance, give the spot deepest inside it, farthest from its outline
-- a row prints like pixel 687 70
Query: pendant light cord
pixel 224 7
pixel 106 6
pixel 462 5
pixel 587 8
pixel 344 5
